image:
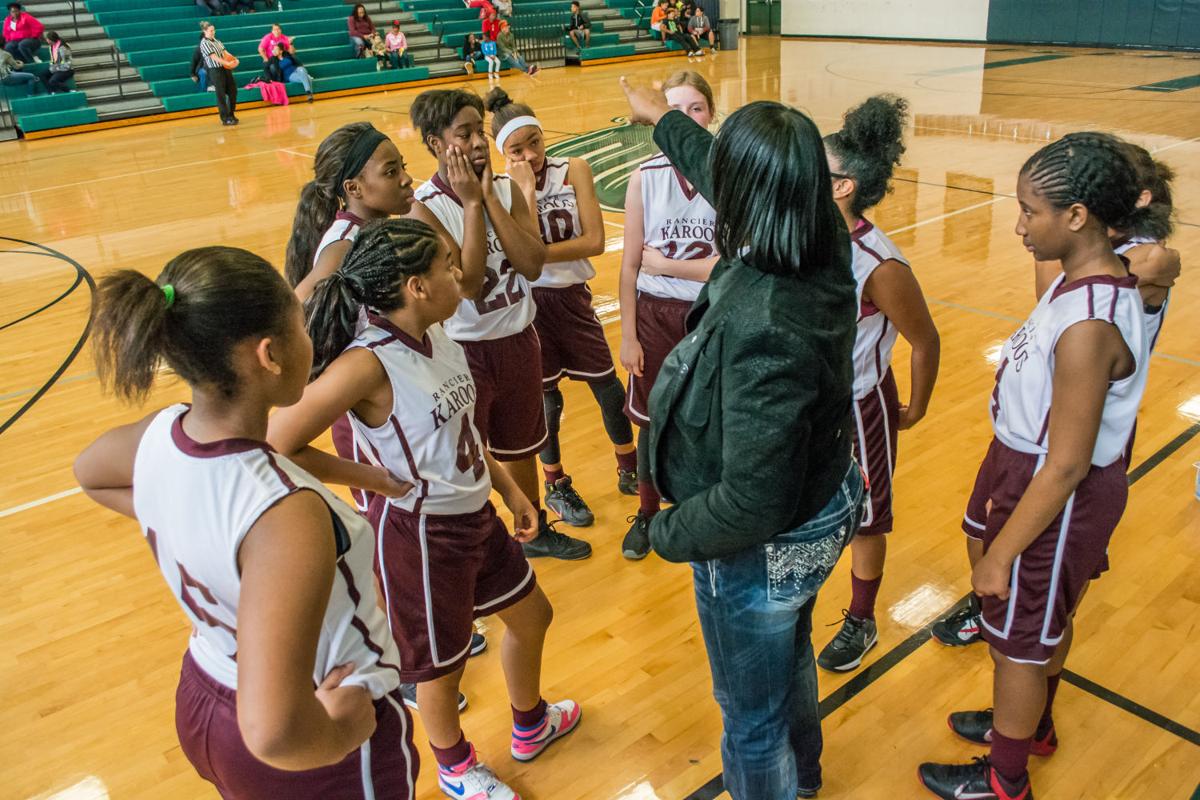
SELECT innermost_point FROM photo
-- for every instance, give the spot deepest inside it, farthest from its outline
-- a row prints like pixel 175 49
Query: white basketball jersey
pixel 345 226
pixel 429 439
pixel 506 306
pixel 677 222
pixel 558 218
pixel 197 501
pixel 876 335
pixel 1154 322
pixel 1020 403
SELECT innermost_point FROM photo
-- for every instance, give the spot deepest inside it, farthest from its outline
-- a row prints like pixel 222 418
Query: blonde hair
pixel 687 77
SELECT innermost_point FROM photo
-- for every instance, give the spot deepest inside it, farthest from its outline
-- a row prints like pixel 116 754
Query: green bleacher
pixel 48 111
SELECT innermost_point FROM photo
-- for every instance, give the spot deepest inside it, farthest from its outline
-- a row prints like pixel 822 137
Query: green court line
pixel 1173 85
pixel 1009 62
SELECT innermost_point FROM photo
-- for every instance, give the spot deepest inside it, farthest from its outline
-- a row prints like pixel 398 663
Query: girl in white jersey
pixel 1156 267
pixel 861 158
pixel 572 338
pixel 271 569
pixel 493 236
pixel 1053 487
pixel 443 556
pixel 669 253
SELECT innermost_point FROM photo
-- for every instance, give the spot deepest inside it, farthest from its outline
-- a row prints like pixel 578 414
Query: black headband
pixel 360 153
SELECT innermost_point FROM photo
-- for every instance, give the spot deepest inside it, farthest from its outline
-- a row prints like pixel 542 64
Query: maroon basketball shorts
pixel 661 324
pixel 1049 576
pixel 572 338
pixel 508 406
pixel 876 419
pixel 439 573
pixel 385 767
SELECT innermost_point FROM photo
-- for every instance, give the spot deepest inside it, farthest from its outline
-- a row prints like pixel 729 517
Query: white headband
pixel 511 126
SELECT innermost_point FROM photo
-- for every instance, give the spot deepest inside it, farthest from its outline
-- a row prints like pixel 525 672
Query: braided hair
pixel 1154 177
pixel 869 147
pixel 1094 170
pixel 320 200
pixel 384 256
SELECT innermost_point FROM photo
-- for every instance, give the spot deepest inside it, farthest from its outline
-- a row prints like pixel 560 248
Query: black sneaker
pixel 976 727
pixel 478 643
pixel 636 544
pixel 977 781
pixel 552 544
pixel 563 500
pixel 962 627
pixel 627 482
pixel 807 793
pixel 409 692
pixel 852 642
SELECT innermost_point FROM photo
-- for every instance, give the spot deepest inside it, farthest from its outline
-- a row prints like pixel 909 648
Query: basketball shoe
pixel 552 544
pixel 560 719
pixel 636 544
pixel 976 726
pixel 961 627
pixel 471 780
pixel 851 644
pixel 627 482
pixel 409 692
pixel 563 500
pixel 974 781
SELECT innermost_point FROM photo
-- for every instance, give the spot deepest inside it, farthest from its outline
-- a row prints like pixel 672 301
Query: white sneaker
pixel 37 60
pixel 472 780
pixel 211 89
pixel 561 718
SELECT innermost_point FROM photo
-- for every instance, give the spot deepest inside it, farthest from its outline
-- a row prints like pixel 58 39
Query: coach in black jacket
pixel 750 429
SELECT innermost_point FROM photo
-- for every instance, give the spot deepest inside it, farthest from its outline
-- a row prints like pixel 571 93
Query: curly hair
pixel 869 147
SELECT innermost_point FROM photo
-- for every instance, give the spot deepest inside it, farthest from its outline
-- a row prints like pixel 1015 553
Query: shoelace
pixel 571 496
pixel 644 522
pixel 850 628
pixel 959 618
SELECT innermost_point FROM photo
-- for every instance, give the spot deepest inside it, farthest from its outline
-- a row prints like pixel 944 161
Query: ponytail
pixel 1157 220
pixel 129 332
pixel 869 147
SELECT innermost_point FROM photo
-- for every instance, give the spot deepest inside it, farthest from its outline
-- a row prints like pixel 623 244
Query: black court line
pixel 82 275
pixel 877 669
pixel 54 302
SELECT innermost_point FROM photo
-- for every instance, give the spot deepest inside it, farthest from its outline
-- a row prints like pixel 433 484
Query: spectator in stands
pixel 579 25
pixel 491 26
pixel 699 28
pixel 506 44
pixel 486 9
pixel 61 71
pixel 671 30
pixel 657 17
pixel 285 67
pixel 242 6
pixel 220 63
pixel 267 46
pixel 217 7
pixel 22 34
pixel 362 31
pixel 471 48
pixel 397 47
pixel 11 75
pixel 504 7
pixel 198 72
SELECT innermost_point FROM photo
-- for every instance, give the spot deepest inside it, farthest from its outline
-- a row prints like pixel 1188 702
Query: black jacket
pixel 750 415
pixel 273 69
pixel 197 61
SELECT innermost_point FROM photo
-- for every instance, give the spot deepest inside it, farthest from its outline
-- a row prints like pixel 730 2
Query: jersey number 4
pixel 470 454
pixel 513 292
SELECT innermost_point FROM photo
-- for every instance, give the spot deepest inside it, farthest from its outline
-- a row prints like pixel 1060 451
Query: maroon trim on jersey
pixel 688 190
pixel 1126 282
pixel 350 217
pixel 879 347
pixel 283 476
pixel 220 447
pixel 1091 296
pixel 152 540
pixel 187 581
pixel 443 188
pixel 412 463
pixel 359 625
pixel 546 166
pixel 1045 428
pixel 862 229
pixel 871 252
pixel 424 347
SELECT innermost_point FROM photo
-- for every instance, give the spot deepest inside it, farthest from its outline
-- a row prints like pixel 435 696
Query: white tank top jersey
pixel 506 307
pixel 558 218
pixel 1154 322
pixel 677 222
pixel 228 485
pixel 429 439
pixel 345 226
pixel 876 335
pixel 1020 402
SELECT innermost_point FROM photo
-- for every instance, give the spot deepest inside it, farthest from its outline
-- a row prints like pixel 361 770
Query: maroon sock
pixel 452 756
pixel 862 596
pixel 553 475
pixel 627 462
pixel 531 718
pixel 1047 722
pixel 1010 757
pixel 649 499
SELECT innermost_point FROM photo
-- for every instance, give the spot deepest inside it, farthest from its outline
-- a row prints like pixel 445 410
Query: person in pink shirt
pixel 267 46
pixel 22 34
pixel 397 47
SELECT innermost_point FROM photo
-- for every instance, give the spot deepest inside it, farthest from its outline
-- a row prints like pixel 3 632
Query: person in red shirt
pixel 491 27
pixel 22 34
pixel 362 31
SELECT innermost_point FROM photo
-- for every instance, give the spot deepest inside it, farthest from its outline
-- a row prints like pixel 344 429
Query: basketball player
pixel 668 256
pixel 572 339
pixel 861 158
pixel 494 238
pixel 1156 267
pixel 288 687
pixel 1052 487
pixel 443 555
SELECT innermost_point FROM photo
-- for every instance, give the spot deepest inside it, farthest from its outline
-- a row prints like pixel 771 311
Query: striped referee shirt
pixel 212 49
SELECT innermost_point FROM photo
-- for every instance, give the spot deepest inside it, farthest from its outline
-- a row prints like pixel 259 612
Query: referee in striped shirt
pixel 220 78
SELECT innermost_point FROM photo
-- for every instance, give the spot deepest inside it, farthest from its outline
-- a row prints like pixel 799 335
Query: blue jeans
pixel 27 79
pixel 300 75
pixel 202 79
pixel 755 611
pixel 24 49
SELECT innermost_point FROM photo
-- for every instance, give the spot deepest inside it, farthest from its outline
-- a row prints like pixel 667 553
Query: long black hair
pixel 1155 177
pixel 320 200
pixel 203 303
pixel 1093 169
pixel 385 254
pixel 869 147
pixel 433 111
pixel 774 199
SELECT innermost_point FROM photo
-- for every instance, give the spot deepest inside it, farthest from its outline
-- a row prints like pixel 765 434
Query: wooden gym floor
pixel 91 641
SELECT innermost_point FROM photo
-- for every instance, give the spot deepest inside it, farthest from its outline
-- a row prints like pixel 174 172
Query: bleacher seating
pixel 52 111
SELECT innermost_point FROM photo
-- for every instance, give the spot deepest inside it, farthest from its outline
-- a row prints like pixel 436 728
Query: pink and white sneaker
pixel 471 780
pixel 561 718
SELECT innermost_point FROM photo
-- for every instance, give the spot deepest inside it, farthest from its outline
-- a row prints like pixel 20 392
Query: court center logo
pixel 613 154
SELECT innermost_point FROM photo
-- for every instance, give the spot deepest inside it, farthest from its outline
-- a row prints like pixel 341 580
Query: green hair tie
pixel 169 293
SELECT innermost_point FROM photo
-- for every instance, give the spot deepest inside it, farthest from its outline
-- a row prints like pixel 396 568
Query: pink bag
pixel 273 92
